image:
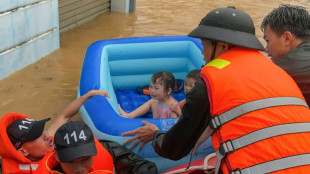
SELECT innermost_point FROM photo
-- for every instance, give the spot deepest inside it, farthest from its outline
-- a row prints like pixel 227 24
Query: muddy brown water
pixel 45 87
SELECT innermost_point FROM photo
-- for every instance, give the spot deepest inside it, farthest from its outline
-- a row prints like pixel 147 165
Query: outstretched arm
pixel 70 110
pixel 194 120
pixel 143 109
pixel 144 134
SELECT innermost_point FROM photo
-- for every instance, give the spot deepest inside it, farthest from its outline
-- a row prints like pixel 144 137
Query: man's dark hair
pixel 292 18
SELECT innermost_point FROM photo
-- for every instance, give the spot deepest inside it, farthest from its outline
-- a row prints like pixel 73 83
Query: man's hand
pixel 144 134
pixel 98 92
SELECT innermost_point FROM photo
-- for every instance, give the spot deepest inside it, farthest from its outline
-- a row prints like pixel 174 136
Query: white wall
pixel 29 30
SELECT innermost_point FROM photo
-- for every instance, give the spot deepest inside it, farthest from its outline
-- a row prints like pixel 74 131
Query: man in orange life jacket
pixel 254 111
pixel 24 143
pixel 76 151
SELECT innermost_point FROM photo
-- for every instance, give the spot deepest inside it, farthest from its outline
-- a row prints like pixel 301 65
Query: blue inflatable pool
pixel 119 66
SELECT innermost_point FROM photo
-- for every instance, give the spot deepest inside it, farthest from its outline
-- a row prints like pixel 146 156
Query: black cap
pixel 228 25
pixel 74 140
pixel 25 130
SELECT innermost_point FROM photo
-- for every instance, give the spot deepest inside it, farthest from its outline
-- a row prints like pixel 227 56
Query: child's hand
pixel 174 107
pixel 121 111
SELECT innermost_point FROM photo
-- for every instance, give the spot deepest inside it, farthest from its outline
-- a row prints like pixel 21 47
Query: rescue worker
pixel 76 151
pixel 24 143
pixel 255 112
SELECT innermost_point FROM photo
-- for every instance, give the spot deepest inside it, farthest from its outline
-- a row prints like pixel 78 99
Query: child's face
pixel 189 84
pixel 80 165
pixel 157 91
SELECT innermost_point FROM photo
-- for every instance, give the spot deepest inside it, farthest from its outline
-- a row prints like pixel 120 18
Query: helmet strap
pixel 214 50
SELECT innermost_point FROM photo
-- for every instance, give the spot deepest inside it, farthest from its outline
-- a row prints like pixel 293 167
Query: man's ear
pixel 225 46
pixel 288 37
pixel 23 151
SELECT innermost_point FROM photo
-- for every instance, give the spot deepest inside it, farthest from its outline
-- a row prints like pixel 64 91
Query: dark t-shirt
pixel 297 64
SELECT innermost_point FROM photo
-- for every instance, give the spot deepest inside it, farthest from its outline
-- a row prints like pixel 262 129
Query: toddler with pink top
pixel 161 86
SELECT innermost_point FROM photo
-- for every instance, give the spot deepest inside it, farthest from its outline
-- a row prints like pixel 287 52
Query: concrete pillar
pixel 123 6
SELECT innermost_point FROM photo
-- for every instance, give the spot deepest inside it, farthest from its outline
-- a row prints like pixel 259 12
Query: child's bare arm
pixel 121 111
pixel 143 109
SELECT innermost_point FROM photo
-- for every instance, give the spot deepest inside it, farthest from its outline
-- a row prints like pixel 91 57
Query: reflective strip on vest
pixel 262 134
pixel 27 166
pixel 218 63
pixel 261 100
pixel 276 165
pixel 240 110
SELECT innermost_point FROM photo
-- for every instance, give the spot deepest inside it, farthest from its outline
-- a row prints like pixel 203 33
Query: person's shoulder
pixel 153 102
pixel 173 100
pixel 199 90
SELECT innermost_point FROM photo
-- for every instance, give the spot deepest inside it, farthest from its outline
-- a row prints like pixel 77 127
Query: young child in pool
pixel 161 86
pixel 190 81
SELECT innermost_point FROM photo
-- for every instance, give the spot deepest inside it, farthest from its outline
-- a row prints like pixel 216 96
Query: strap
pixel 203 137
pixel 265 133
pixel 242 109
pixel 276 165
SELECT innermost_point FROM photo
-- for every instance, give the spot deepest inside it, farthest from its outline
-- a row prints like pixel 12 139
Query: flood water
pixel 45 87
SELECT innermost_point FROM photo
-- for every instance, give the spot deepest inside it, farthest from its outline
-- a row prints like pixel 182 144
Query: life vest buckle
pixel 236 171
pixel 226 148
pixel 215 123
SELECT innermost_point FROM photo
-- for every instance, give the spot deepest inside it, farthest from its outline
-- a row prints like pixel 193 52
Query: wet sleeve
pixel 181 138
pixel 126 161
pixel 303 82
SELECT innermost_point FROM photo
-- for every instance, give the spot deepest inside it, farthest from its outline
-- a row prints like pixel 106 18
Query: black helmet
pixel 228 25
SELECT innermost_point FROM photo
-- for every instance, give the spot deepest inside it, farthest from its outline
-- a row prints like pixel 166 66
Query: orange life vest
pixel 103 162
pixel 264 102
pixel 12 160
